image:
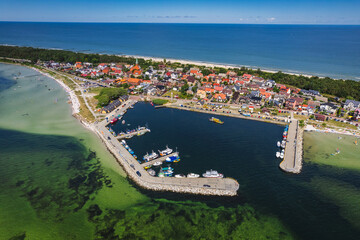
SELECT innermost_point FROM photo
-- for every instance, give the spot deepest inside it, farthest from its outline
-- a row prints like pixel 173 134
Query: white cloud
pixel 271 19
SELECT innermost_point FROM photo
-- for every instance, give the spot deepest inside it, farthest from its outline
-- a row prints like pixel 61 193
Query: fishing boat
pixel 180 176
pixel 174 158
pixel 153 155
pixel 193 175
pixel 151 172
pixel 146 157
pixel 212 174
pixel 278 144
pixel 165 152
pixel 114 120
pixel 157 163
pixel 216 120
pixel 277 154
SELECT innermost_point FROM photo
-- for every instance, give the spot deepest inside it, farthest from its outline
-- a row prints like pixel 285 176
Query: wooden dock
pixel 160 159
pixel 129 135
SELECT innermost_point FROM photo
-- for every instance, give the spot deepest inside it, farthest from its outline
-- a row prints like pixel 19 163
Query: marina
pixel 138 173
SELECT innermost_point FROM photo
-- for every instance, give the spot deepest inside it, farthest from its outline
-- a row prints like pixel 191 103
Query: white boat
pixel 212 174
pixel 179 175
pixel 165 152
pixel 277 154
pixel 146 157
pixel 278 144
pixel 281 155
pixel 153 155
pixel 123 121
pixel 283 144
pixel 157 163
pixel 151 172
pixel 123 142
pixel 193 175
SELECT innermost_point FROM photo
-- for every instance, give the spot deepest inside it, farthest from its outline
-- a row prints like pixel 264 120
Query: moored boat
pixel 278 144
pixel 216 120
pixel 180 176
pixel 165 152
pixel 212 174
pixel 151 172
pixel 148 167
pixel 157 163
pixel 153 155
pixel 277 154
pixel 193 175
pixel 172 159
pixel 114 120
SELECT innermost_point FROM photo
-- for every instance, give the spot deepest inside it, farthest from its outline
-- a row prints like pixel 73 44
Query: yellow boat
pixel 216 120
pixel 148 167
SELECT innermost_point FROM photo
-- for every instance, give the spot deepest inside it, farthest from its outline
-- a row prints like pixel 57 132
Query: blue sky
pixel 186 11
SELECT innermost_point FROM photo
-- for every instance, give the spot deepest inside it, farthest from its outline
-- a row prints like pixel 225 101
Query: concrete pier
pixel 136 171
pixel 293 151
pixel 160 159
pixel 140 132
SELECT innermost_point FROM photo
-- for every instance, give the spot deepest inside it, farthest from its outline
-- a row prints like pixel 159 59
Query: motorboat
pixel 277 154
pixel 180 176
pixel 216 120
pixel 212 174
pixel 151 172
pixel 114 120
pixel 146 157
pixel 153 155
pixel 165 152
pixel 282 155
pixel 193 175
pixel 157 163
pixel 278 144
pixel 172 159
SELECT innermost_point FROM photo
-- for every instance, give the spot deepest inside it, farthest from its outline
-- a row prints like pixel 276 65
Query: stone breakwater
pixel 292 162
pixel 75 104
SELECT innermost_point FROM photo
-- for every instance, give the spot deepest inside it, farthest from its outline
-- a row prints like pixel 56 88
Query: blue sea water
pixel 321 50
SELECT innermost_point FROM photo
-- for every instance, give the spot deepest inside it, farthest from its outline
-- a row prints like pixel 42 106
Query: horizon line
pixel 229 23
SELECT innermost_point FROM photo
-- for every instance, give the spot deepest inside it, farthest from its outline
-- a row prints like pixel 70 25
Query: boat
pixel 134 156
pixel 212 174
pixel 131 151
pixel 146 157
pixel 283 144
pixel 114 120
pixel 278 144
pixel 153 155
pixel 167 168
pixel 127 147
pixel 161 174
pixel 123 122
pixel 216 120
pixel 193 175
pixel 277 154
pixel 282 155
pixel 147 167
pixel 168 174
pixel 151 172
pixel 180 176
pixel 174 158
pixel 165 152
pixel 157 163
pixel 123 142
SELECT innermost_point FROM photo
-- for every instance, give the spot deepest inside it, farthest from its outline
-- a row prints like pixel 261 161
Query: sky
pixel 186 11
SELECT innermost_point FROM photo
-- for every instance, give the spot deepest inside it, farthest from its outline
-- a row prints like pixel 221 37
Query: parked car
pixel 138 173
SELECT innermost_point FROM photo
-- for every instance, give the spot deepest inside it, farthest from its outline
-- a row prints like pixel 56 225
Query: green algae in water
pixel 320 148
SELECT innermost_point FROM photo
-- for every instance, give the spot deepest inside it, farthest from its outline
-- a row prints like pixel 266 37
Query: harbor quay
pixel 138 132
pixel 136 171
pixel 292 161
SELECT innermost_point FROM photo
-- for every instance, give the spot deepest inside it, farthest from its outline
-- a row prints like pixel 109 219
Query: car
pixel 132 165
pixel 138 173
pixel 206 185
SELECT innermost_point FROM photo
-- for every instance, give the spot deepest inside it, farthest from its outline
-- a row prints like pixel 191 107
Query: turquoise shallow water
pixel 58 182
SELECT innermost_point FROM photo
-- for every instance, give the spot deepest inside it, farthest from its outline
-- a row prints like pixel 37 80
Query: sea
pixel 320 50
pixel 58 181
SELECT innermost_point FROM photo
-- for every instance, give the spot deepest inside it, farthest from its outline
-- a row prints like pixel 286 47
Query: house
pixel 191 80
pixel 270 83
pixel 218 89
pixel 201 93
pixel 310 92
pixel 319 117
pixel 134 81
pixel 220 97
pixel 351 105
pixel 328 107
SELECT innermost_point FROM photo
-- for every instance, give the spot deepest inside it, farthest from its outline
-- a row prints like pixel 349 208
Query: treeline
pixel 35 54
pixel 341 88
pixel 108 94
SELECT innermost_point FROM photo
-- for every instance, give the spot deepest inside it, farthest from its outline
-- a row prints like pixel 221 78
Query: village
pixel 215 88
